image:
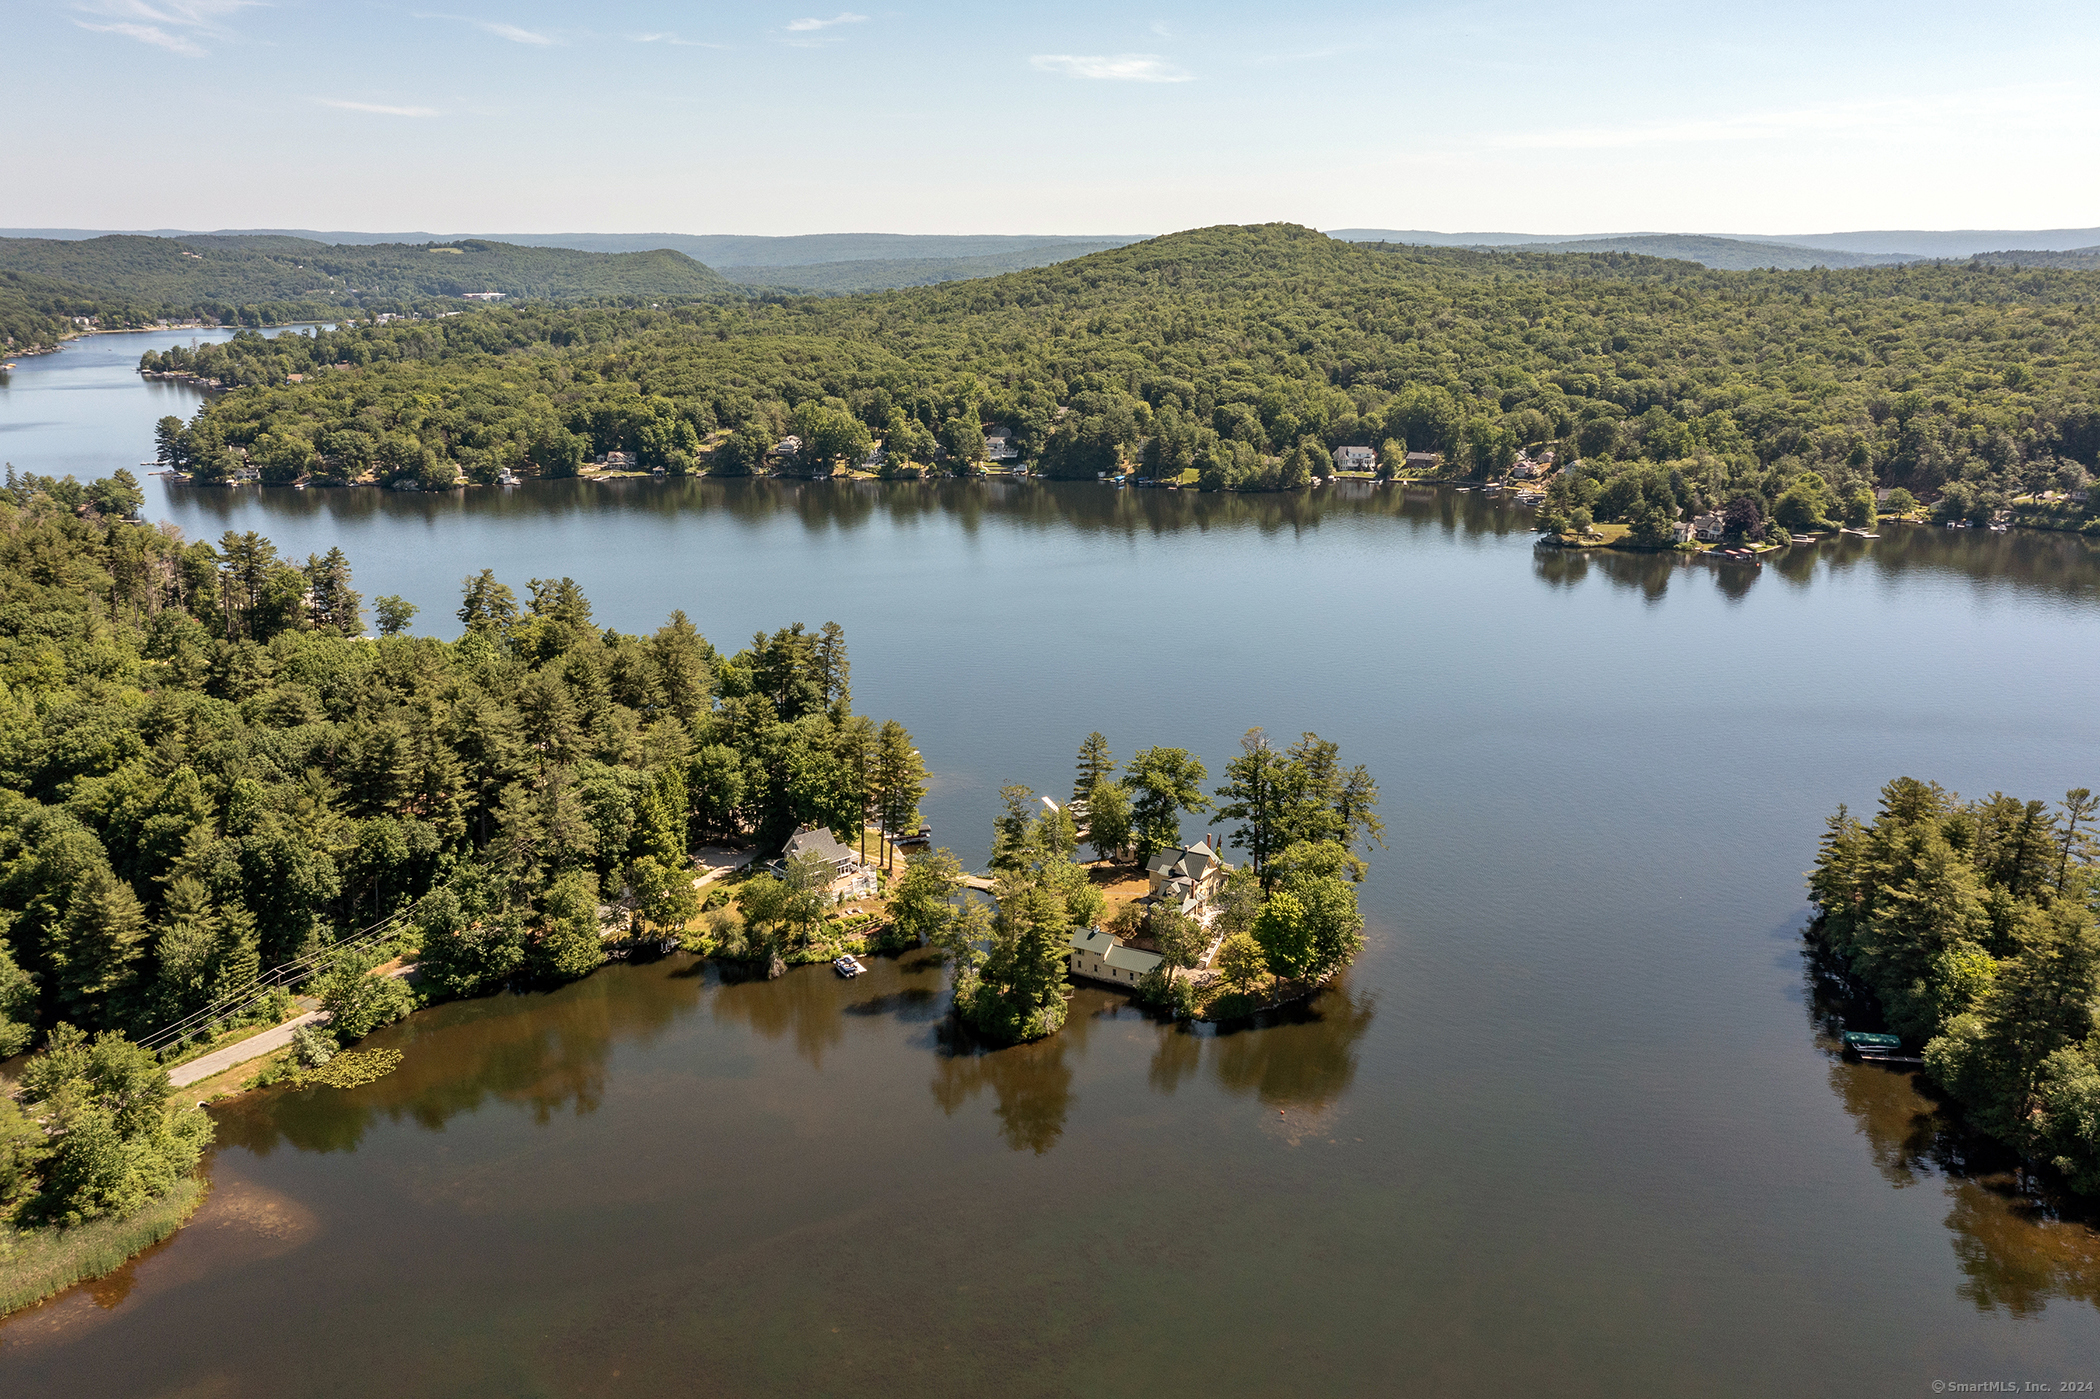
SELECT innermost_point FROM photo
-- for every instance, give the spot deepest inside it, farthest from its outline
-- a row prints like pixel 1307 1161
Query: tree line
pixel 1247 355
pixel 1972 926
pixel 206 767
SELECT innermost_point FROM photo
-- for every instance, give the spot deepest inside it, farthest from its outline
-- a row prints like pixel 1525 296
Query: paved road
pixel 239 1052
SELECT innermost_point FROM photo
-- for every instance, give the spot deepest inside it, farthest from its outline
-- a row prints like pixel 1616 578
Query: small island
pixel 1168 921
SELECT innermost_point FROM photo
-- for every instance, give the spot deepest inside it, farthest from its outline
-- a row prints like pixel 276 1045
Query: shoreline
pixel 37 1265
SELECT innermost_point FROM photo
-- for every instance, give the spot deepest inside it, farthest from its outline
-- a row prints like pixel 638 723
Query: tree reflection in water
pixel 2019 1239
pixel 547 1051
pixel 1031 1083
pixel 1298 1056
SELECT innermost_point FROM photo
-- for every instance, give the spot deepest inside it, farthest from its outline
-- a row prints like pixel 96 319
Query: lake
pixel 1574 1123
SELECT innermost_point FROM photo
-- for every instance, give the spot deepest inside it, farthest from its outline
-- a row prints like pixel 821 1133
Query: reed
pixel 36 1263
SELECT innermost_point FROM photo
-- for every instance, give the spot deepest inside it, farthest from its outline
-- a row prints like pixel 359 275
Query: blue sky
pixel 513 115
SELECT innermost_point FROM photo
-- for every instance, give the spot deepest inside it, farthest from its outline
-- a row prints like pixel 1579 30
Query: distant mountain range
pixel 717 250
pixel 561 266
pixel 2048 247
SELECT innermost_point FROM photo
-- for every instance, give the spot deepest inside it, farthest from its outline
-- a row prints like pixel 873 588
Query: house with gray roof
pixel 1188 877
pixel 1099 955
pixel 815 840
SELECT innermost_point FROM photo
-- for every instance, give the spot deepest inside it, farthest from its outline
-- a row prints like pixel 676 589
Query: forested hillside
pixel 211 268
pixel 126 280
pixel 204 768
pixel 883 274
pixel 1248 354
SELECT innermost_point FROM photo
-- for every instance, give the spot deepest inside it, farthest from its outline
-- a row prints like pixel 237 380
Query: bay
pixel 1572 1122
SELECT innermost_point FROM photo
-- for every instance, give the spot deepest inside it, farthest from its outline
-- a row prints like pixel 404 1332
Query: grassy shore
pixel 36 1263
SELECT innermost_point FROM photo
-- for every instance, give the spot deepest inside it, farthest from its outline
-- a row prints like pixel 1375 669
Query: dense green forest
pixel 882 274
pixel 1972 926
pixel 205 769
pixel 1247 355
pixel 125 280
pixel 203 269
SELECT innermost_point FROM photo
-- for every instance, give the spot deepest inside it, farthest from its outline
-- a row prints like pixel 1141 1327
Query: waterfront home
pixel 1100 955
pixel 786 450
pixel 1683 532
pixel 816 840
pixel 1423 461
pixel 1187 877
pixel 1711 526
pixel 619 461
pixel 999 444
pixel 1354 459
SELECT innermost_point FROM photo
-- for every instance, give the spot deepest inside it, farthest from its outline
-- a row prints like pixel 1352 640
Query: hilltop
pixel 1247 353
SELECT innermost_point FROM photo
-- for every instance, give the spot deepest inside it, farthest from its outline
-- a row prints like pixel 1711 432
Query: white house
pixel 1355 459
pixel 1099 955
pixel 999 444
pixel 1683 532
pixel 1187 877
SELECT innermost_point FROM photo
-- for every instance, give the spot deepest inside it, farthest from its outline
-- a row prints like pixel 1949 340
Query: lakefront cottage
pixel 846 871
pixel 1354 459
pixel 1099 955
pixel 999 444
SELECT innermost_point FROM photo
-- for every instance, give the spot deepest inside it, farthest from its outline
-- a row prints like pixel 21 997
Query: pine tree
pixel 96 947
pixel 1096 765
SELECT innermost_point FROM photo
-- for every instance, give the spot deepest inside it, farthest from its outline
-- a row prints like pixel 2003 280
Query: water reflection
pixel 1031 1084
pixel 810 1004
pixel 848 506
pixel 2019 1241
pixel 548 1052
pixel 1302 1056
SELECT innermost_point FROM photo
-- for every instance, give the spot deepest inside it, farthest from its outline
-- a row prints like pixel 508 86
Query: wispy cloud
pixel 377 109
pixel 174 25
pixel 1121 67
pixel 811 26
pixel 673 40
pixel 512 32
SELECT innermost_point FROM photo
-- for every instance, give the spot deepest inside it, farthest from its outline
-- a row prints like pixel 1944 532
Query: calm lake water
pixel 1573 1122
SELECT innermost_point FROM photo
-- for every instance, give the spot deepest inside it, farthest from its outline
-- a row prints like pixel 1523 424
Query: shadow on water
pixel 2019 1239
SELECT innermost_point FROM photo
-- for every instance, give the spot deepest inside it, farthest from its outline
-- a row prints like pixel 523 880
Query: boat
pixel 848 967
pixel 1872 1046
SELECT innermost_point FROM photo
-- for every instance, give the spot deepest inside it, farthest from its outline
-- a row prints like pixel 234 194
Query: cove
pixel 1572 1121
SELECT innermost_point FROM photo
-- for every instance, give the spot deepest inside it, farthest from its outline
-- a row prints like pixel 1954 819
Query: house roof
pixel 1119 955
pixel 815 840
pixel 1188 861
